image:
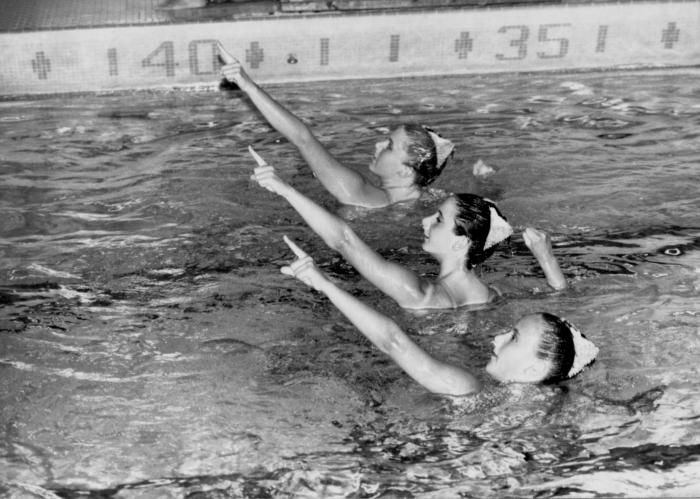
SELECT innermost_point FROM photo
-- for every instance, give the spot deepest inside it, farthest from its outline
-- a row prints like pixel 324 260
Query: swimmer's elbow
pixel 343 239
pixel 466 384
pixel 303 137
pixel 462 388
pixel 392 341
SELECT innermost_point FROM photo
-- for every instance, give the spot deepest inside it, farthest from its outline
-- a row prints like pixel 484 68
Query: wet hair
pixel 422 154
pixel 556 346
pixel 473 220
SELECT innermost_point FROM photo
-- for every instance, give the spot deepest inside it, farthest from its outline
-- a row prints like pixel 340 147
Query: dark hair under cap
pixel 422 154
pixel 557 346
pixel 473 220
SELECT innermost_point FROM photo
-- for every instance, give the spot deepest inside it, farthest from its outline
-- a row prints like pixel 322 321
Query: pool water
pixel 150 347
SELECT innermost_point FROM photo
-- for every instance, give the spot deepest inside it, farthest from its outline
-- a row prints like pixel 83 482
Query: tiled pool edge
pixel 370 45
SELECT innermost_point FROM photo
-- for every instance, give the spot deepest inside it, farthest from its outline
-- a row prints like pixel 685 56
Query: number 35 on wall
pixel 556 49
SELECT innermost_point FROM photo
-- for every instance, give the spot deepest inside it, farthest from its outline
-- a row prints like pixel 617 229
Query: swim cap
pixel 585 350
pixel 499 228
pixel 443 147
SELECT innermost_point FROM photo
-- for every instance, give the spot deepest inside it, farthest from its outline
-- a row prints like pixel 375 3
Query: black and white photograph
pixel 357 249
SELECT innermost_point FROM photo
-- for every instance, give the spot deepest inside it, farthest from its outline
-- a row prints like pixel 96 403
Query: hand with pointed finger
pixel 232 69
pixel 304 268
pixel 266 177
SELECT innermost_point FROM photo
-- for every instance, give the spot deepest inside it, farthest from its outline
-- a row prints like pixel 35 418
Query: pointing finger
pixel 296 249
pixel 256 156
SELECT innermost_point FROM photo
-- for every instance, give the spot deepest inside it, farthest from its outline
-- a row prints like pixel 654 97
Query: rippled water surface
pixel 149 346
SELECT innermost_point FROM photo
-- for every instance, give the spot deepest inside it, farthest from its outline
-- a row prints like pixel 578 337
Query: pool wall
pixel 384 44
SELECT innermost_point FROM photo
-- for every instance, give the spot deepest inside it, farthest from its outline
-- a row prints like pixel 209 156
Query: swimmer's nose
pixel 498 342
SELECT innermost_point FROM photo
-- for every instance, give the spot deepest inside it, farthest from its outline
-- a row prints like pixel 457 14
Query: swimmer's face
pixel 391 155
pixel 439 231
pixel 515 353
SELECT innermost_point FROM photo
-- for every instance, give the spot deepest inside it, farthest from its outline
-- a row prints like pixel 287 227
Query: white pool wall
pixel 368 45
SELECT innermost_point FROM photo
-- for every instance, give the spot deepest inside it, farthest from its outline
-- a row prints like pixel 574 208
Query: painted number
pixel 563 42
pixel 113 63
pixel 520 42
pixel 556 48
pixel 210 56
pixel 162 57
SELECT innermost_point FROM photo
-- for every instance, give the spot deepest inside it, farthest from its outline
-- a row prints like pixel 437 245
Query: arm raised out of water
pixel 540 245
pixel 406 287
pixel 345 184
pixel 384 333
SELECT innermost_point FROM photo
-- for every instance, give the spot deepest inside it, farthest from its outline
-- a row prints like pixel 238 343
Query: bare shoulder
pixel 368 195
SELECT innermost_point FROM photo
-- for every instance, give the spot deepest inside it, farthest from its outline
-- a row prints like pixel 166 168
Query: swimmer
pixel 541 348
pixel 410 159
pixel 462 233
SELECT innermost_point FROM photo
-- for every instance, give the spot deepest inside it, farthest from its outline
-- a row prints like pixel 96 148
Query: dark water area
pixel 150 347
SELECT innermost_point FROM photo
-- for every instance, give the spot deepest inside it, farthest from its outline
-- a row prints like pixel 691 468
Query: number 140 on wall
pixel 203 58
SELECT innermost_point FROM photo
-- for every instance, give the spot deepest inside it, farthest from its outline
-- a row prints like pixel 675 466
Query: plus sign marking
pixel 41 65
pixel 464 45
pixel 254 55
pixel 670 35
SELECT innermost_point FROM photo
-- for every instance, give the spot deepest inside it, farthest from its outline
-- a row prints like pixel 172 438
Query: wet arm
pixel 345 184
pixel 540 244
pixel 385 334
pixel 407 288
pixel 554 275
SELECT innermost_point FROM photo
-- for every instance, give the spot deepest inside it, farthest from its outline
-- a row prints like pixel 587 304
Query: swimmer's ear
pixel 462 243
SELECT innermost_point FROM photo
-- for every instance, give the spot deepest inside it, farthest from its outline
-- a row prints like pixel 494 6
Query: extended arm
pixel 385 334
pixel 540 244
pixel 406 287
pixel 347 185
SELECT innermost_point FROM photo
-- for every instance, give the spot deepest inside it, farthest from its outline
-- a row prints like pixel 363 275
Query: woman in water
pixel 541 348
pixel 463 233
pixel 411 158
